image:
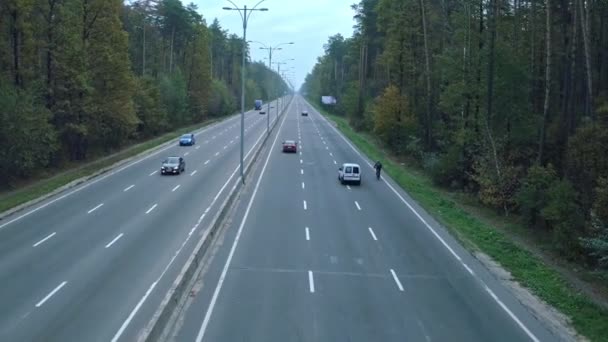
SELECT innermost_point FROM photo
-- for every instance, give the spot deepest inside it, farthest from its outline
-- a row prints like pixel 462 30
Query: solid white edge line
pixel 152 208
pixel 397 280
pixel 40 303
pixel 97 207
pixel 371 231
pixel 43 240
pixel 468 269
pixel 201 332
pixel 357 204
pixel 128 188
pixel 307 234
pixel 512 315
pixel 128 320
pixel 428 226
pixel 113 241
pixel 311 282
pixel 177 187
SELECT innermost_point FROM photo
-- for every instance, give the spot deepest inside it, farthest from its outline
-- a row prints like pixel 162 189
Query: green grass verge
pixel 587 318
pixel 44 186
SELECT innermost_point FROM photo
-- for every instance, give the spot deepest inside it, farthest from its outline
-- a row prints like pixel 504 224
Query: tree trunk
pixel 479 62
pixel 16 35
pixel 171 51
pixel 532 52
pixel 488 120
pixel 543 126
pixel 427 65
pixel 49 53
pixel 570 126
pixel 584 15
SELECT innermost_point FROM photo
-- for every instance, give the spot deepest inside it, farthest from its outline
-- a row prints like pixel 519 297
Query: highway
pixel 305 258
pixel 94 262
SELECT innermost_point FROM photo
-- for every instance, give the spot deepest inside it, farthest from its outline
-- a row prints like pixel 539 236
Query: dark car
pixel 187 140
pixel 173 165
pixel 304 113
pixel 290 146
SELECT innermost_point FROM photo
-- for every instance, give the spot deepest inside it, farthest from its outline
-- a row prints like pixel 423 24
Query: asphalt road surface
pixel 93 263
pixel 308 259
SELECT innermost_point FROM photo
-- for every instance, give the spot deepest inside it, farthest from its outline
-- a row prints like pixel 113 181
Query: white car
pixel 349 173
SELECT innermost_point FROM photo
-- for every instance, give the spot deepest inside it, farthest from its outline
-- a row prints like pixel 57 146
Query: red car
pixel 290 146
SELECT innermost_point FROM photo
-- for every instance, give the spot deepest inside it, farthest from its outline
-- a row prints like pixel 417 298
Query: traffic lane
pixel 277 208
pixel 78 225
pixel 247 269
pixel 191 318
pixel 32 230
pixel 133 170
pixel 28 228
pixel 115 285
pixel 262 305
pixel 341 242
pixel 430 295
pixel 510 318
pixel 93 233
pixel 364 307
pixel 358 298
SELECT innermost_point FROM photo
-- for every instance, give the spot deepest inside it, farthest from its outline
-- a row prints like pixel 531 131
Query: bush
pixel 494 190
pixel 221 102
pixel 597 243
pixel 564 215
pixel 27 139
pixel 393 124
pixel 600 206
pixel 587 161
pixel 532 197
pixel 449 169
pixel 149 109
pixel 175 98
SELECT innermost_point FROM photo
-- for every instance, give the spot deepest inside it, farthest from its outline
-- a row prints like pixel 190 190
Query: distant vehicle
pixel 187 140
pixel 257 104
pixel 304 113
pixel 173 165
pixel 290 146
pixel 349 173
pixel 262 112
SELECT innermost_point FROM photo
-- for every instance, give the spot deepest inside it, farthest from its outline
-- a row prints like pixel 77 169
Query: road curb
pixel 98 173
pixel 155 328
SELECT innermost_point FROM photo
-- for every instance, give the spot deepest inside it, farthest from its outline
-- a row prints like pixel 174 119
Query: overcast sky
pixel 307 23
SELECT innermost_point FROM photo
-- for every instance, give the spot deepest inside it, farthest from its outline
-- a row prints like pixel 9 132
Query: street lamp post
pixel 279 72
pixel 245 17
pixel 270 49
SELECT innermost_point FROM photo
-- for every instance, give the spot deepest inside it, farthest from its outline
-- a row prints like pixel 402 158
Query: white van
pixel 349 172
